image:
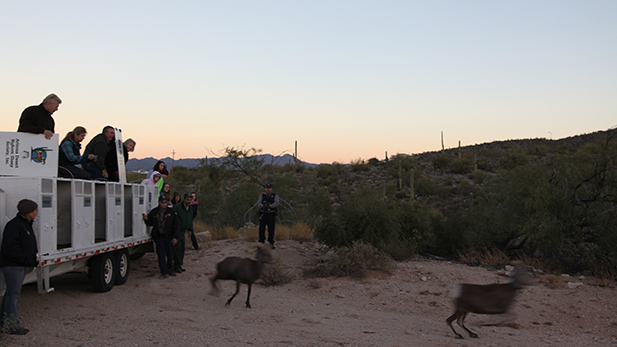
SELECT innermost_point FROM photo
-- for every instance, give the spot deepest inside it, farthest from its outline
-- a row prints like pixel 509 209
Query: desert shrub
pixel 424 186
pixel 301 232
pixel 364 216
pixel 251 234
pixel 462 166
pixel 355 260
pixel 513 157
pixel 318 204
pixel 276 273
pixel 224 233
pixel 480 176
pixel 314 283
pixel 441 162
pixel 359 165
pixel 490 256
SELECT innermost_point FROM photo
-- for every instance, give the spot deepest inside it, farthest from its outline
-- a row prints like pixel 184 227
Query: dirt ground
pixel 405 308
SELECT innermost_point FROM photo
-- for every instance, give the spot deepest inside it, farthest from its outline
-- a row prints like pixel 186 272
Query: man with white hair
pixel 38 120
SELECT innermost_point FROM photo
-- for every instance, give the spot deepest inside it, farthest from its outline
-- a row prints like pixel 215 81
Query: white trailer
pixel 93 227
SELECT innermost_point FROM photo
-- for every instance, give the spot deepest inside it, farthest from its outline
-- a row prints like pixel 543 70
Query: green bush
pixel 356 260
pixel 275 273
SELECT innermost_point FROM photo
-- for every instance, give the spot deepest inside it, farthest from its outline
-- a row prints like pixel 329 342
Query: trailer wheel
pixel 102 272
pixel 122 266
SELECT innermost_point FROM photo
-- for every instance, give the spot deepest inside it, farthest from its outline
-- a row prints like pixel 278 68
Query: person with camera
pixel 268 203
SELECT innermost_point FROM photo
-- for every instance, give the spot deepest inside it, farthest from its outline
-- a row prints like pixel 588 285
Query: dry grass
pixel 605 275
pixel 251 234
pixel 553 282
pixel 484 256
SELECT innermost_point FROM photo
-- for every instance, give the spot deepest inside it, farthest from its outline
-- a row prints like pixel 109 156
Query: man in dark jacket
pixel 185 215
pixel 268 204
pixel 38 120
pixel 17 253
pixel 165 233
pixel 99 146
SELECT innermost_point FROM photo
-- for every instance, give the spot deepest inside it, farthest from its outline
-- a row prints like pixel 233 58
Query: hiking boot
pixel 172 273
pixel 164 276
pixel 20 331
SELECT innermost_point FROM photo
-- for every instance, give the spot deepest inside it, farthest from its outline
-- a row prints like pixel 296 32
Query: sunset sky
pixel 345 79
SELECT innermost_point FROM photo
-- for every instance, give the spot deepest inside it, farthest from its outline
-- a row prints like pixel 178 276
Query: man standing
pixel 185 215
pixel 165 233
pixel 99 146
pixel 194 209
pixel 268 203
pixel 38 119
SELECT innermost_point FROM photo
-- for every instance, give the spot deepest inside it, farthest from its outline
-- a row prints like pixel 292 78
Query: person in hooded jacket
pixel 18 252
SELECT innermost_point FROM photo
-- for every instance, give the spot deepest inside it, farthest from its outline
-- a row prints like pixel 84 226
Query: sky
pixel 347 80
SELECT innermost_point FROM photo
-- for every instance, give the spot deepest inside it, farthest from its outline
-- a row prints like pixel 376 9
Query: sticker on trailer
pixel 28 155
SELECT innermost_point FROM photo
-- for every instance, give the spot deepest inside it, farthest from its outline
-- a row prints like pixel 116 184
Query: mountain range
pixel 146 164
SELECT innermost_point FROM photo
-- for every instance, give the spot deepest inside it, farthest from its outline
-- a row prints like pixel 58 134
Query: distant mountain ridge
pixel 148 163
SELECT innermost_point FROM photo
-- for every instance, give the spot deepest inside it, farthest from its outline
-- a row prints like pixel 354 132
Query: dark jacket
pixel 170 224
pixel 185 214
pixel 18 243
pixel 35 120
pixel 74 149
pixel 98 146
pixel 111 159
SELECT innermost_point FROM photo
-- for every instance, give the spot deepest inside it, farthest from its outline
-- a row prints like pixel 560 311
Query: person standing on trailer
pixel 99 146
pixel 165 233
pixel 17 254
pixel 38 119
pixel 268 204
pixel 185 215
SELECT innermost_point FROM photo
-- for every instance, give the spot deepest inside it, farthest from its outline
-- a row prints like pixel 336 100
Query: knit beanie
pixel 26 206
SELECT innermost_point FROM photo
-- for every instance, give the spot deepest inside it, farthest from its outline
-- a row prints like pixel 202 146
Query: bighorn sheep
pixel 485 299
pixel 242 270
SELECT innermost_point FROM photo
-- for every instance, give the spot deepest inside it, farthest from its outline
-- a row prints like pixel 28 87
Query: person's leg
pixel 13 278
pixel 271 222
pixel 262 228
pixel 194 241
pixel 159 243
pixel 179 252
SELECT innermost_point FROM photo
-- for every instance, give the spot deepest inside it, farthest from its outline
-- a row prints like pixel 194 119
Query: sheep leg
pixel 450 319
pixel 248 297
pixel 215 289
pixel 461 322
pixel 233 296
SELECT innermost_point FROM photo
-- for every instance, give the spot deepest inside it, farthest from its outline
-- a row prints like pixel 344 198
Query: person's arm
pixel 100 150
pixel 176 229
pixel 260 201
pixel 275 204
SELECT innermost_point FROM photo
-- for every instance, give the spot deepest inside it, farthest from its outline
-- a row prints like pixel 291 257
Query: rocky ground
pixel 405 308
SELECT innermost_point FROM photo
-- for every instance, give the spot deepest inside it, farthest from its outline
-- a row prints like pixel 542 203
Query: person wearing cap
pixel 17 254
pixel 268 203
pixel 38 119
pixel 165 233
pixel 185 215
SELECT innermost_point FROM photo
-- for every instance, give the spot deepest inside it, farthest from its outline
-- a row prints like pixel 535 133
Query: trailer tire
pixel 102 272
pixel 122 266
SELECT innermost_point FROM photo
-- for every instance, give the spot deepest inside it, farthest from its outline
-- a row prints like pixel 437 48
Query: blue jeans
pixel 13 277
